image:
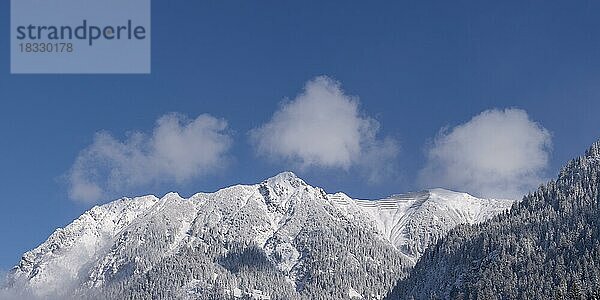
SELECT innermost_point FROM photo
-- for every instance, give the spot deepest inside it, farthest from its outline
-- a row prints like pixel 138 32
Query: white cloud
pixel 498 153
pixel 323 127
pixel 177 150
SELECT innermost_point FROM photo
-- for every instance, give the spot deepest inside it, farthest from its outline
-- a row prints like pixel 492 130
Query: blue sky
pixel 416 68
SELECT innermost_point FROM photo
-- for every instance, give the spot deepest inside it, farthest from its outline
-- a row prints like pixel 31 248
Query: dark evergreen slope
pixel 547 247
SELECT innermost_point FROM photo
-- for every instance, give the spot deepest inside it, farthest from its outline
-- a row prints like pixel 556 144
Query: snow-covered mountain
pixel 414 220
pixel 280 239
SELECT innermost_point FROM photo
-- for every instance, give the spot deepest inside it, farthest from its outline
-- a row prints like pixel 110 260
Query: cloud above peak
pixel 177 150
pixel 323 128
pixel 498 153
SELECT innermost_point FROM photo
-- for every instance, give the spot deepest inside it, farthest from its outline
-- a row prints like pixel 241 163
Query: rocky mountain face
pixel 547 247
pixel 280 239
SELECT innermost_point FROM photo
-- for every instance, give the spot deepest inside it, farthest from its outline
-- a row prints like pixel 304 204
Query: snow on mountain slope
pixel 297 228
pixel 414 220
pixel 60 259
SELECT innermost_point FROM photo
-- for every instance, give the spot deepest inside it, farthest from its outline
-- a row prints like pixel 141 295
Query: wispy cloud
pixel 177 150
pixel 498 153
pixel 324 128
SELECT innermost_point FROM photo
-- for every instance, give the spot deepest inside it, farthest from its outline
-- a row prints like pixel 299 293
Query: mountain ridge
pixel 282 217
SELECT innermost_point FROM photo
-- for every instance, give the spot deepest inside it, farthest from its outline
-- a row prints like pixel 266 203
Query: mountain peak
pixel 171 196
pixel 285 175
pixel 285 178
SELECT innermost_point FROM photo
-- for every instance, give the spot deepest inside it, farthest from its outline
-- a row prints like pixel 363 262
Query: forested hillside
pixel 546 247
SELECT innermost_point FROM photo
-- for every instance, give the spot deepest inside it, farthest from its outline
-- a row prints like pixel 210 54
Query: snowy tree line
pixel 546 247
